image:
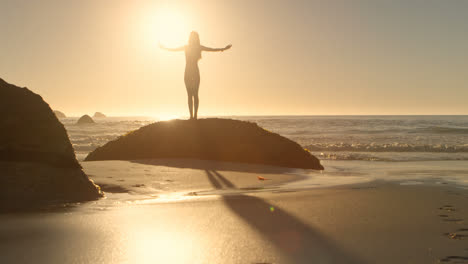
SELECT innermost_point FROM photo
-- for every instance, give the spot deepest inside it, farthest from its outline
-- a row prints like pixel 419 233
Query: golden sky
pixel 288 57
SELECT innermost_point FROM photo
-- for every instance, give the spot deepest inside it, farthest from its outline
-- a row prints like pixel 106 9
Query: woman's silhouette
pixel 192 74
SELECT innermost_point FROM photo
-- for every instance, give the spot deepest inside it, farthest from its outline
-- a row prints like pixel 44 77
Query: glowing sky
pixel 288 57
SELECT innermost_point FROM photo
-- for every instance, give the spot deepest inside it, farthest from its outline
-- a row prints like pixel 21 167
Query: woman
pixel 192 74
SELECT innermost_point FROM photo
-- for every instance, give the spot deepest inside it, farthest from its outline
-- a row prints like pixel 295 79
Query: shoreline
pixel 362 223
pixel 153 176
pixel 156 176
pixel 372 222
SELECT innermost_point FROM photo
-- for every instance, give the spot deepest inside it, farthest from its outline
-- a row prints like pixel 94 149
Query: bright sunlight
pixel 167 26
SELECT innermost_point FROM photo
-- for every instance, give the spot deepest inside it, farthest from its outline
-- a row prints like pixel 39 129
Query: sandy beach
pixel 182 211
pixel 162 176
pixel 233 132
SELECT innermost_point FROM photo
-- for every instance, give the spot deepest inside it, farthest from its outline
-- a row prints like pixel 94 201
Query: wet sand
pixel 152 178
pixel 184 222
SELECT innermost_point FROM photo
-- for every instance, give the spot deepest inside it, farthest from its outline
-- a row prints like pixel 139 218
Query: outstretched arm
pixel 181 48
pixel 213 49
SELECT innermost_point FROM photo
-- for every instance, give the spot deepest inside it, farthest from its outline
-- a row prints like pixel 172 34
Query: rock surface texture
pixel 208 139
pixel 86 119
pixel 37 162
pixel 59 114
pixel 99 115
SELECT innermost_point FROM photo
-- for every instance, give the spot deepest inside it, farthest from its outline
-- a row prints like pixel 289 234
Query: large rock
pixel 86 119
pixel 37 161
pixel 99 115
pixel 210 139
pixel 59 114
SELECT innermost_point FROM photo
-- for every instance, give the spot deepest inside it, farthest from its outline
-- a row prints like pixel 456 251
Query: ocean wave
pixel 401 129
pixel 373 138
pixel 391 156
pixel 387 147
pixel 442 130
pixel 85 148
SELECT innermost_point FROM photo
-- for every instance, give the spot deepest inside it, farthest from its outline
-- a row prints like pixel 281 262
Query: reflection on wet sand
pixel 295 239
pixel 241 220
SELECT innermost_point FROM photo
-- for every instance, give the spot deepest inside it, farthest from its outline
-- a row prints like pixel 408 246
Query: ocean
pixel 432 146
pixel 231 225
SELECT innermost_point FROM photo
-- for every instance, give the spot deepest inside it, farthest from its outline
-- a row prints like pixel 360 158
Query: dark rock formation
pixel 37 161
pixel 86 119
pixel 209 139
pixel 59 114
pixel 99 115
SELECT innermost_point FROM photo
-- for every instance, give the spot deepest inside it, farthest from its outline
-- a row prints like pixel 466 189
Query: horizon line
pixel 285 115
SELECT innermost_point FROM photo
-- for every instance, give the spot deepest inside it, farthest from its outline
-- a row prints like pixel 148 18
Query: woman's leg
pixel 190 106
pixel 189 96
pixel 196 83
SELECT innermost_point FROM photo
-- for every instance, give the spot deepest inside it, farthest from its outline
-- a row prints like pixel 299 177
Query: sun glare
pixel 168 27
pixel 166 117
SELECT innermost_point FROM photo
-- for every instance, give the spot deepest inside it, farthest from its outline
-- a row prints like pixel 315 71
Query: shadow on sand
pixel 215 165
pixel 295 239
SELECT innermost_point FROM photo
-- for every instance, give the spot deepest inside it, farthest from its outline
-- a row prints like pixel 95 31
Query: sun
pixel 166 117
pixel 167 26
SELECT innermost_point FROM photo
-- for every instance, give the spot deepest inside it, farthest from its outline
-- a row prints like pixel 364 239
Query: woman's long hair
pixel 194 45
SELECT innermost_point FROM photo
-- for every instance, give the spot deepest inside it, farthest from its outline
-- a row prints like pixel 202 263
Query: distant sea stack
pixel 86 119
pixel 59 114
pixel 208 139
pixel 37 161
pixel 99 115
